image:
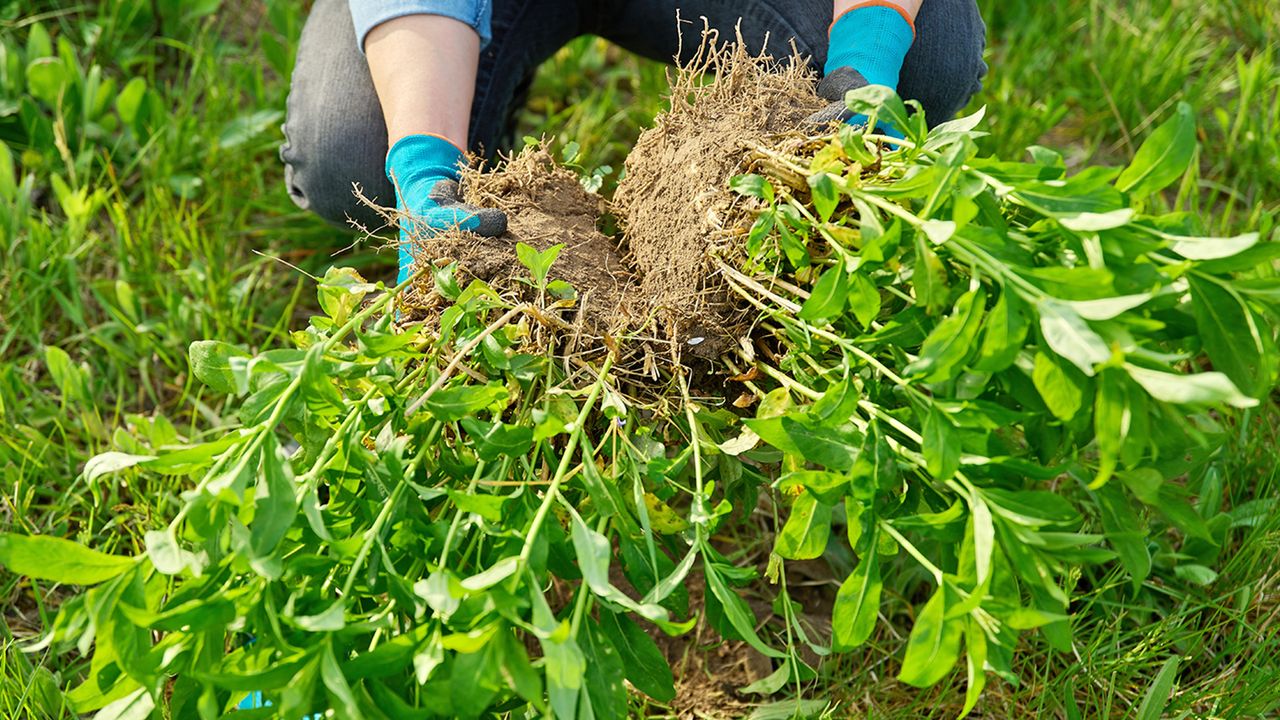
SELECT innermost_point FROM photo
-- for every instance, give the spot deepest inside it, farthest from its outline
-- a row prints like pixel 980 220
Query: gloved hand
pixel 869 43
pixel 424 171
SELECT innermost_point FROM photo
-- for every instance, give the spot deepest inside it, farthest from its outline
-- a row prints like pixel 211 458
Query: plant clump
pixel 972 388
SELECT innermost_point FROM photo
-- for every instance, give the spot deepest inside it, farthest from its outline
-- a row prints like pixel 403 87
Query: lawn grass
pixel 128 232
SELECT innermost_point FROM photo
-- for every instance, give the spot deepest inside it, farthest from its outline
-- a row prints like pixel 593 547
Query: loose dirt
pixel 658 284
pixel 545 206
pixel 674 203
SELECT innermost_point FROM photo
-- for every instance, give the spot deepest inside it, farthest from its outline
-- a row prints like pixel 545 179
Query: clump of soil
pixel 659 290
pixel 675 204
pixel 545 206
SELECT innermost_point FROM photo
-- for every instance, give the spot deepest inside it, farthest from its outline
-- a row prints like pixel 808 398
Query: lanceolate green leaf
pixel 828 296
pixel 1071 337
pixel 642 661
pixel 934 644
pixel 1004 331
pixel 857 605
pixel 736 611
pixel 1061 386
pixel 459 402
pixel 941 447
pixel 1233 337
pixel 1163 158
pixel 275 506
pixel 952 341
pixel 976 660
pixel 1207 388
pixel 808 527
pixel 45 557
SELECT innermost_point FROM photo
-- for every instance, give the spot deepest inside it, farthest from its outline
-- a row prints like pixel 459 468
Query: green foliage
pixel 415 544
pixel 1057 339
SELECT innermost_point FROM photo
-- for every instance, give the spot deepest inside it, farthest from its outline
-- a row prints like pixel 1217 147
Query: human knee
pixel 332 168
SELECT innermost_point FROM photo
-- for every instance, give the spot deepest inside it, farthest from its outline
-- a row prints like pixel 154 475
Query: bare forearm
pixel 910 7
pixel 424 69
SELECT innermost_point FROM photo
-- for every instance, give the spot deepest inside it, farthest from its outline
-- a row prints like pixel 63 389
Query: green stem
pixel 566 461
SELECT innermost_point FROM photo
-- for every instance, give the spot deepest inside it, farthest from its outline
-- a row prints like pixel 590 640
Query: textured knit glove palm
pixel 424 171
pixel 868 46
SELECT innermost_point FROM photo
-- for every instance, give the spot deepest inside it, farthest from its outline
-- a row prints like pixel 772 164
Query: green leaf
pixel 975 662
pixel 1163 158
pixel 1157 697
pixel 493 440
pixel 857 604
pixel 1111 421
pixel 110 462
pixel 929 277
pixel 825 194
pixel 826 446
pixel 46 79
pixel 808 528
pixel 1003 333
pixel 828 297
pixel 1108 308
pixel 736 611
pixel 45 557
pixel 341 698
pixel 486 506
pixel 1060 385
pixel 605 671
pixel 136 706
pixel 642 661
pixel 1071 337
pixel 70 378
pixel 211 363
pixel 1032 508
pixel 1211 248
pixel 1125 534
pixel 829 487
pixel 167 555
pixel 1209 388
pixel 247 126
pixel 752 186
pixel 1233 337
pixel 881 102
pixel 538 263
pixel 331 619
pixel 941 447
pixel 594 553
pixel 864 299
pixel 129 101
pixel 951 341
pixel 341 292
pixel 501 570
pixel 934 645
pixel 771 683
pixel 275 506
pixel 455 403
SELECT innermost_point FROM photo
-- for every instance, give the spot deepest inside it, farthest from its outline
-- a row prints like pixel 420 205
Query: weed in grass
pixel 959 367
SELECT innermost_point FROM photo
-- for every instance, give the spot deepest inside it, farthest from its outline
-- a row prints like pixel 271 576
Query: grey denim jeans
pixel 335 134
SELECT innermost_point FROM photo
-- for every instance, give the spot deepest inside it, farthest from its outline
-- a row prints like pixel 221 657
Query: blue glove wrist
pixel 872 39
pixel 416 163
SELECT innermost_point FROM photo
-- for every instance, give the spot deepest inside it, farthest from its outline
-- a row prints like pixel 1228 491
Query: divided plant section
pixel 975 384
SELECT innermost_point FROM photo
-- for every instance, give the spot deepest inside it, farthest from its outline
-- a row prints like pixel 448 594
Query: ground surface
pixel 150 212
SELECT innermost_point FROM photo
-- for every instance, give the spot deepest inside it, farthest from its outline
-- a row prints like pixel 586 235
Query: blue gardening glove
pixel 868 46
pixel 424 171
